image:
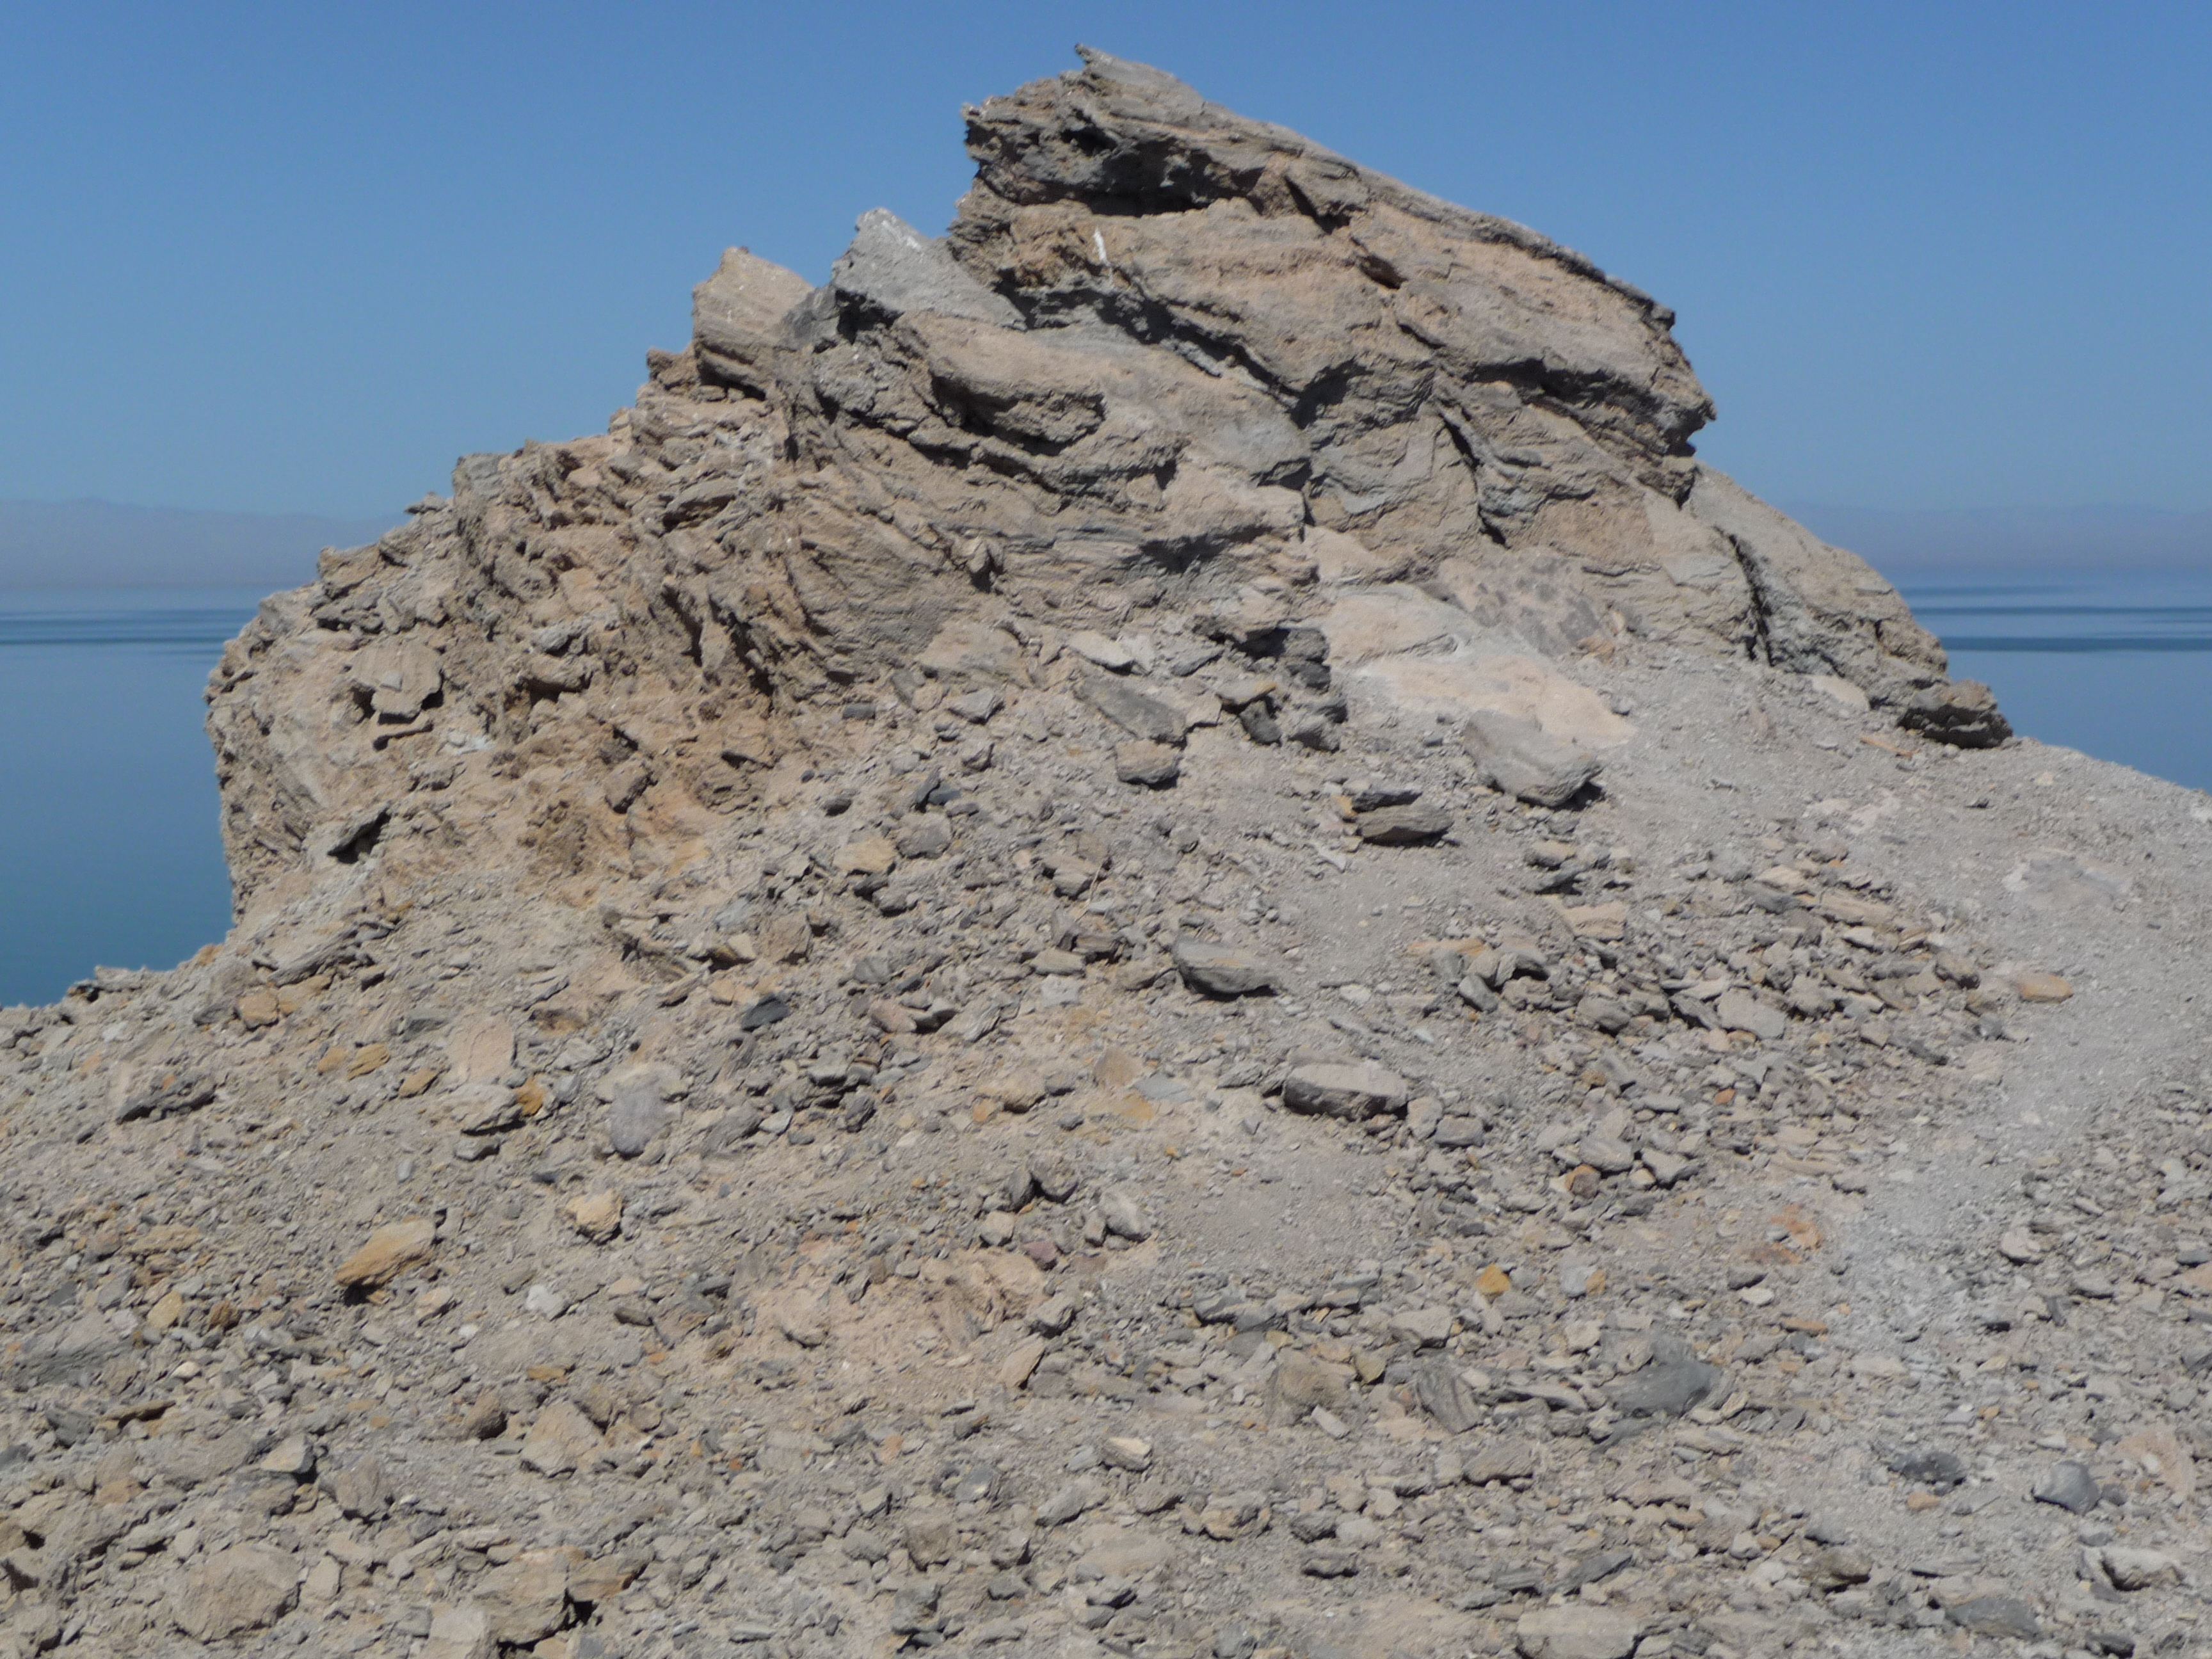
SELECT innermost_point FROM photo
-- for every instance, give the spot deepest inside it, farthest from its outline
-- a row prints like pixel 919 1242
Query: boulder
pixel 1962 713
pixel 1515 757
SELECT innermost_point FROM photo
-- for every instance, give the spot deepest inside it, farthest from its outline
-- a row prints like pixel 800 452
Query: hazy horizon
pixel 91 543
pixel 301 257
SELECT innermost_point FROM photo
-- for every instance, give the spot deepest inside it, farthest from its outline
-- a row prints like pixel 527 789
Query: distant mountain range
pixel 51 544
pixel 1989 541
pixel 58 544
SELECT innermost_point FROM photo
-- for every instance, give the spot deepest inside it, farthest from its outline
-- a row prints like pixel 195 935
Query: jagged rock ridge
pixel 1166 357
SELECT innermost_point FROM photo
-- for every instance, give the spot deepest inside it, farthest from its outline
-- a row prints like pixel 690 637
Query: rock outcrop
pixel 1167 360
pixel 1147 931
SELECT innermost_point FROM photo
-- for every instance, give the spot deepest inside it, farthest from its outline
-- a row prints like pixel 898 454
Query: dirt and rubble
pixel 1145 932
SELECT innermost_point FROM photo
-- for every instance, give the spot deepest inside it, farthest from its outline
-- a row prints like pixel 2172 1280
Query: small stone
pixel 2019 1245
pixel 544 1301
pixel 597 1215
pixel 1021 1360
pixel 462 1631
pixel 2070 1486
pixel 638 1109
pixel 1402 826
pixel 1070 1501
pixel 1739 1011
pixel 486 1419
pixel 926 837
pixel 1127 1452
pixel 1834 1569
pixel 1151 765
pixel 1996 1615
pixel 866 855
pixel 258 1007
pixel 1222 970
pixel 1607 1155
pixel 1055 1174
pixel 1577 1631
pixel 1151 717
pixel 1053 1315
pixel 1427 1328
pixel 361 1489
pixel 390 1251
pixel 294 1456
pixel 560 1439
pixel 1123 1211
pixel 1097 648
pixel 2136 1569
pixel 1962 713
pixel 242 1588
pixel 2042 987
pixel 1354 1091
pixel 1516 757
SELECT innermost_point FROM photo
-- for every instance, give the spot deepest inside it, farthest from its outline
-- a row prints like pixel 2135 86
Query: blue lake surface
pixel 110 852
pixel 2116 665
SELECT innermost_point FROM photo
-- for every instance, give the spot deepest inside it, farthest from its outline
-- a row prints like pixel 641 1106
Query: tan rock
pixel 866 855
pixel 1577 1631
pixel 239 1589
pixel 1020 1360
pixel 258 1007
pixel 481 1050
pixel 560 1439
pixel 787 937
pixel 390 1251
pixel 166 1312
pixel 2041 988
pixel 368 1058
pixel 597 1215
pixel 460 1632
pixel 527 1598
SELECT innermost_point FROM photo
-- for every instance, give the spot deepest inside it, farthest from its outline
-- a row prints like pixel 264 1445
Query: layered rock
pixel 1166 359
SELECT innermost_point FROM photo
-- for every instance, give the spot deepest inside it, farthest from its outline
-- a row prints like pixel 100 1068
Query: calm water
pixel 111 854
pixel 109 850
pixel 2119 666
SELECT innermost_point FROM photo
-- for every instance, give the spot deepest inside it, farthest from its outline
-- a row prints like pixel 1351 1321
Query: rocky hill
pixel 1147 931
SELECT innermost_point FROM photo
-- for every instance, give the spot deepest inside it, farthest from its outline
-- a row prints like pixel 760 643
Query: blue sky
pixel 297 258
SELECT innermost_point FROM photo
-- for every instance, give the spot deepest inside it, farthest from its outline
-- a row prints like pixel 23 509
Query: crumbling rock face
pixel 1142 932
pixel 1166 357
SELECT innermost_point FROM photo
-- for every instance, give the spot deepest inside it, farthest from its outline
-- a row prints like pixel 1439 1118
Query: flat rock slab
pixel 1222 970
pixel 1739 1011
pixel 1996 1615
pixel 1330 1090
pixel 1402 826
pixel 1576 1632
pixel 390 1251
pixel 1136 713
